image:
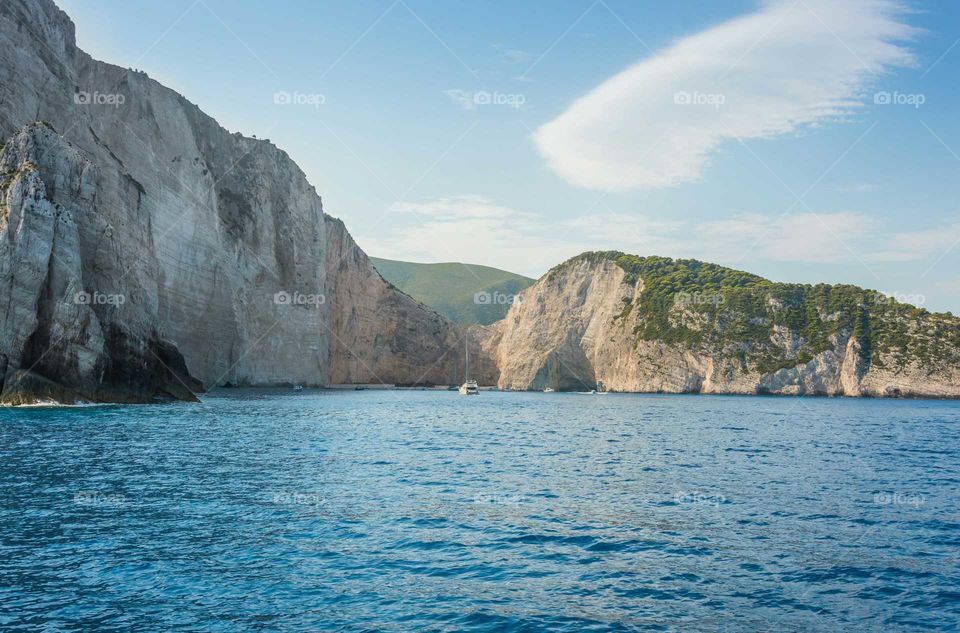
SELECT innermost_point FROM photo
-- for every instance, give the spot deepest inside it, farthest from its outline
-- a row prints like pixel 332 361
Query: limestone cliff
pixel 144 248
pixel 378 331
pixel 98 345
pixel 660 325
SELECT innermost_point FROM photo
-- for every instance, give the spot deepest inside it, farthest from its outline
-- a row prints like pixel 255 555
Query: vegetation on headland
pixel 769 325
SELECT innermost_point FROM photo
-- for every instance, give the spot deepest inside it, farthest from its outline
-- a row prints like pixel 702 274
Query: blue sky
pixel 752 134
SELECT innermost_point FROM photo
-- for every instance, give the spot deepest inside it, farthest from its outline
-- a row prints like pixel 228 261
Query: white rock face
pixel 98 345
pixel 383 335
pixel 570 331
pixel 217 244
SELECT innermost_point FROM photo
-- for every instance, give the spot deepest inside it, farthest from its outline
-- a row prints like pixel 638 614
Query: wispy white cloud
pixel 800 237
pixel 792 63
pixel 470 229
pixel 512 55
pixel 949 286
pixel 918 245
pixel 476 229
pixel 454 208
pixel 859 187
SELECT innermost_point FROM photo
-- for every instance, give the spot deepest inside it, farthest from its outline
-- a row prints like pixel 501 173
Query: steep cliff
pixel 144 248
pixel 659 325
pixel 378 331
pixel 98 345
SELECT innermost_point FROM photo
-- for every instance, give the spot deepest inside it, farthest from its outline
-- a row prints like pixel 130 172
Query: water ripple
pixel 396 511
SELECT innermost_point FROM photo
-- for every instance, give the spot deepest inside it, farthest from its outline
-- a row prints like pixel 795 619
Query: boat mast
pixel 466 348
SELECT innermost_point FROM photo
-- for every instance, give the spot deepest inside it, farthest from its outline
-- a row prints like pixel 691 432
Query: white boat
pixel 548 390
pixel 298 387
pixel 469 387
pixel 594 392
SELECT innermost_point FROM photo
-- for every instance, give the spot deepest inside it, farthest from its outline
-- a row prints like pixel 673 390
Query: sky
pixel 802 140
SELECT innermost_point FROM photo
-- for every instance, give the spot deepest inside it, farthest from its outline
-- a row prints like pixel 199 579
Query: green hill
pixel 464 293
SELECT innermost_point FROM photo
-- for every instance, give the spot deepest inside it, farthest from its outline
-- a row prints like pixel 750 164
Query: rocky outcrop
pixel 606 318
pixel 145 250
pixel 96 344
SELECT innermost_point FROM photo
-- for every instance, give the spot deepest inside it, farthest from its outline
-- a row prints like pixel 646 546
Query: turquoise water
pixel 396 511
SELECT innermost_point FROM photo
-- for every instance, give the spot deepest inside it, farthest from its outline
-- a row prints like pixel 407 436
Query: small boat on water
pixel 548 390
pixel 298 387
pixel 469 387
pixel 601 390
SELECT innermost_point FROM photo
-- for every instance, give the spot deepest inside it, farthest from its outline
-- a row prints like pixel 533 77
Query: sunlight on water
pixel 508 511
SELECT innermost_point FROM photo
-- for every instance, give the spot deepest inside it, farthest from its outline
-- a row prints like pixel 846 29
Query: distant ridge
pixel 467 294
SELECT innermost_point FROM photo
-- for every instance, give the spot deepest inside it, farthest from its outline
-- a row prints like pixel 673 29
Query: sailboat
pixel 469 387
pixel 601 390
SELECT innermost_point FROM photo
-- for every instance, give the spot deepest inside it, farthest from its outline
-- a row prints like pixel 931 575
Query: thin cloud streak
pixel 476 229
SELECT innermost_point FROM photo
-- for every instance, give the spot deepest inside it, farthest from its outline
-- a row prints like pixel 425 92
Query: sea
pixel 403 510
